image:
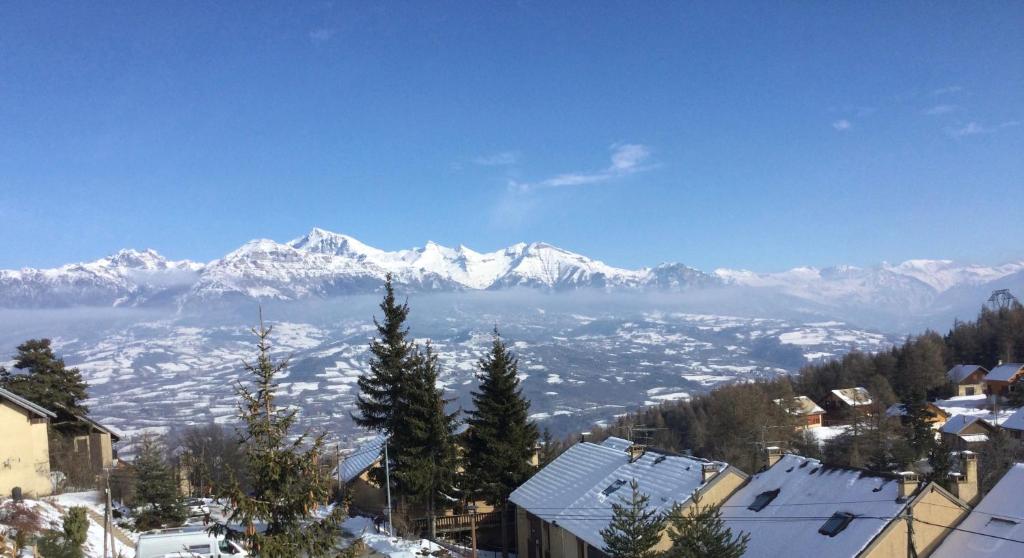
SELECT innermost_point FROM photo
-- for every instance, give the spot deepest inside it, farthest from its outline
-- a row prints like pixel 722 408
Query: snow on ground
pixel 394 547
pixel 53 519
pixel 825 433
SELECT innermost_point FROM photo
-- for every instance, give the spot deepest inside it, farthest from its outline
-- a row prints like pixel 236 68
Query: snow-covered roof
pixel 1004 372
pixel 957 424
pixel 1015 421
pixel 362 458
pixel 617 443
pixel 810 493
pixel 974 438
pixel 854 397
pixel 900 410
pixel 961 371
pixel 991 529
pixel 577 489
pixel 803 406
pixel 25 404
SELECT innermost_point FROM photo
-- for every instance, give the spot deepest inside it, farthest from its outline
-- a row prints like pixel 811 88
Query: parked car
pixel 191 543
pixel 197 507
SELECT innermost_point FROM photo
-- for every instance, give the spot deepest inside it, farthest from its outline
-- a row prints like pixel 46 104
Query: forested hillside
pixel 734 423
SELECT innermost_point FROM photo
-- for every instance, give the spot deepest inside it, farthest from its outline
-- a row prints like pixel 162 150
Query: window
pixel 613 487
pixel 763 499
pixel 969 391
pixel 836 524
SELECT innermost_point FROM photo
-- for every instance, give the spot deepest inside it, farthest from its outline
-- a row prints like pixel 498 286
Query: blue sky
pixel 739 135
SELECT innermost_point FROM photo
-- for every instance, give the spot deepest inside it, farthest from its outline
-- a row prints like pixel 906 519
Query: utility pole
pixel 911 551
pixel 472 526
pixel 387 483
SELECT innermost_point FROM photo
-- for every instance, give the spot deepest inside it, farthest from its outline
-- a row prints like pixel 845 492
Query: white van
pixel 181 543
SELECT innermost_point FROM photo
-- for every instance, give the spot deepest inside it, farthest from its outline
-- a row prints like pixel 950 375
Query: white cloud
pixel 947 90
pixel 626 159
pixel 503 159
pixel 973 128
pixel 940 109
pixel 842 125
pixel 321 35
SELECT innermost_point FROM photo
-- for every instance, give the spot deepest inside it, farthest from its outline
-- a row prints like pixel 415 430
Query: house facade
pixel 561 510
pixel 1003 377
pixel 802 406
pixel 968 379
pixel 24 446
pixel 842 404
pixel 801 508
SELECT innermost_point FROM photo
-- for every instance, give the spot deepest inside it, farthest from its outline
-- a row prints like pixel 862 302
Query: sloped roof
pixel 957 423
pixel 854 397
pixel 1015 421
pixel 570 490
pixel 1004 372
pixel 362 458
pixel 809 493
pixel 961 371
pixel 26 404
pixel 616 443
pixel 804 406
pixel 997 521
pixel 900 410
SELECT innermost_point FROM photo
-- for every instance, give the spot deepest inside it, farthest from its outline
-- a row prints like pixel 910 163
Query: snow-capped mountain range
pixel 324 264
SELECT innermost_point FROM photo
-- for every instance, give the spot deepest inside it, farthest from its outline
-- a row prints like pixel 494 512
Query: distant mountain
pixel 323 264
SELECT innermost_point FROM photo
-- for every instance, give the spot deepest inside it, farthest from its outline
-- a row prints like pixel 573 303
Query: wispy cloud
pixel 940 109
pixel 947 90
pixel 502 159
pixel 842 125
pixel 321 35
pixel 626 159
pixel 973 128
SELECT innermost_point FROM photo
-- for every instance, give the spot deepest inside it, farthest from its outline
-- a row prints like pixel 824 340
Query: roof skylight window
pixel 763 499
pixel 836 524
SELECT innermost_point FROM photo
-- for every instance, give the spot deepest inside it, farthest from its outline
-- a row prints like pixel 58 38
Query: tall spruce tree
pixel 45 380
pixel 391 363
pixel 501 439
pixel 635 529
pixel 701 532
pixel 155 486
pixel 276 517
pixel 426 456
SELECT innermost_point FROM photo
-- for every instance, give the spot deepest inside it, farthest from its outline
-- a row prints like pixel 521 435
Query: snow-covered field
pixel 52 510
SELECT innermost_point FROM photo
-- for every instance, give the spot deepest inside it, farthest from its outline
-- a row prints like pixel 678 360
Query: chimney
pixel 636 451
pixel 774 455
pixel 583 436
pixel 965 483
pixel 908 484
pixel 708 472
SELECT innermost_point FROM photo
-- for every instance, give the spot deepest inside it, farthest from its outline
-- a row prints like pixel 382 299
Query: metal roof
pixel 1004 372
pixel 362 458
pixel 577 489
pixel 991 529
pixel 26 404
pixel 809 493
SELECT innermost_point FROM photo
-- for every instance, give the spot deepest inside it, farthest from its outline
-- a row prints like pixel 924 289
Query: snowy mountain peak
pixel 327 242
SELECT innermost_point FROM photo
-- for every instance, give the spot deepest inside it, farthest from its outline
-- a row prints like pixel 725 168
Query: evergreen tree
pixel 426 458
pixel 700 532
pixel 45 380
pixel 501 439
pixel 392 358
pixel 286 480
pixel 549 449
pixel 68 542
pixel 635 529
pixel 155 487
pixel 919 430
pixel 940 461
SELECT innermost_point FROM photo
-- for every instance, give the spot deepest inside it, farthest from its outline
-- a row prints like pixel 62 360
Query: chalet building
pixel 964 432
pixel 994 527
pixel 365 494
pixel 91 442
pixel 801 508
pixel 24 446
pixel 1014 424
pixel 561 510
pixel 1002 378
pixel 934 415
pixel 802 406
pixel 841 404
pixel 968 379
